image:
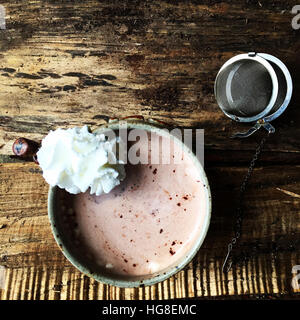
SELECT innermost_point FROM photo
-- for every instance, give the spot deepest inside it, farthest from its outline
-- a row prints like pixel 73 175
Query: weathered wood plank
pixel 66 64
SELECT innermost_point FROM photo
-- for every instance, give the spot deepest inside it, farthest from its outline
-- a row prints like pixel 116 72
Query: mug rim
pixel 110 280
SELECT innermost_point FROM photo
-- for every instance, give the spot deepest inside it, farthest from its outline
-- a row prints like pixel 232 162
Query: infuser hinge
pixel 260 123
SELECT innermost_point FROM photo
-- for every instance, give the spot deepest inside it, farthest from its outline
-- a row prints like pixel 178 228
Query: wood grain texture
pixel 69 63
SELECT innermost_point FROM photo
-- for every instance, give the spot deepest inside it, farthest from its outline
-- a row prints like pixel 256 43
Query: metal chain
pixel 239 210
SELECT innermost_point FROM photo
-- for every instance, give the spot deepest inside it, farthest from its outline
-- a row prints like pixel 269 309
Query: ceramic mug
pixel 71 252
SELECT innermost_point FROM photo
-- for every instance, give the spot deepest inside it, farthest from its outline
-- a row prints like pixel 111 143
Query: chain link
pixel 239 215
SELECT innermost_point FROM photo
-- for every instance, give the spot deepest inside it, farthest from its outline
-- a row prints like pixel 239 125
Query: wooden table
pixel 69 63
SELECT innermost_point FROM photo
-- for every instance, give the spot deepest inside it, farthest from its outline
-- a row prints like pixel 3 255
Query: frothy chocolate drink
pixel 146 224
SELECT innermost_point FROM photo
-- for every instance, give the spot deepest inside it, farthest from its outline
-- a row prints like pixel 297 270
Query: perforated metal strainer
pixel 253 87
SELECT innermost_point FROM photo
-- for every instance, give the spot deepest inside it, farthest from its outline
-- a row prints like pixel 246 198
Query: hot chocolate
pixel 146 224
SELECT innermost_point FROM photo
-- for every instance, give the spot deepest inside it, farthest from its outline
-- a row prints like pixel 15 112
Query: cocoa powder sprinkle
pixel 172 252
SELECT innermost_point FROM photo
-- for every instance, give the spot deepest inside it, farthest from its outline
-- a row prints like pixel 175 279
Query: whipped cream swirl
pixel 75 159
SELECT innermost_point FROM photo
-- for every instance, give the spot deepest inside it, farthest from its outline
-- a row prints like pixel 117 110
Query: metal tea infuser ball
pixel 255 88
